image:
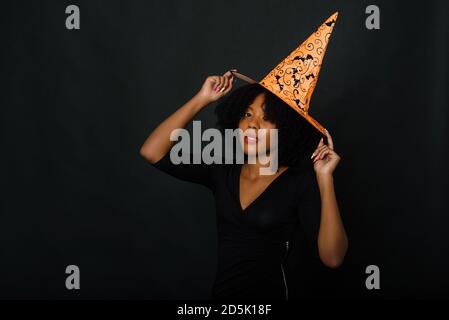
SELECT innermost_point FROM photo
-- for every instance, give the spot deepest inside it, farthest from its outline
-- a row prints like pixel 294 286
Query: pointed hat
pixel 294 78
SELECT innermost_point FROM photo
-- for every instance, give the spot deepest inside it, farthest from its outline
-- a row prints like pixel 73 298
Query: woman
pixel 263 221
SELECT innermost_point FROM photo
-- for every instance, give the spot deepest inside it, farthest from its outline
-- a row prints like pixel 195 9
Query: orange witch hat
pixel 294 78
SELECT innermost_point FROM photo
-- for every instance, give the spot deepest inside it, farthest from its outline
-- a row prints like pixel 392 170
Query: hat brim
pixel 305 115
pixel 243 77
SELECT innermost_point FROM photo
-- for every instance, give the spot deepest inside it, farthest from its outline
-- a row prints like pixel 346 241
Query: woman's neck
pixel 253 170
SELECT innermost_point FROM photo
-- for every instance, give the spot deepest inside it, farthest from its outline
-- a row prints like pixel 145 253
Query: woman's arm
pixel 332 238
pixel 158 142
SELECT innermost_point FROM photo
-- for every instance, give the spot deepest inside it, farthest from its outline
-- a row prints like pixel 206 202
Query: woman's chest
pixel 268 209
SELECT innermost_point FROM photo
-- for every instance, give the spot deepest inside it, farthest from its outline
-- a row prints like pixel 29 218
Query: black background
pixel 77 105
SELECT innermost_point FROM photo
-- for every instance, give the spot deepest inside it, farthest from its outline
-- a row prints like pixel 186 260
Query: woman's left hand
pixel 325 159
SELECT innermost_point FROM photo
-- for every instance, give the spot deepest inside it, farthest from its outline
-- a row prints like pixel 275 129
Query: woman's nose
pixel 253 124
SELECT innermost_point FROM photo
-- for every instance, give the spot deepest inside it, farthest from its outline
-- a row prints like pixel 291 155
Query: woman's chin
pixel 251 150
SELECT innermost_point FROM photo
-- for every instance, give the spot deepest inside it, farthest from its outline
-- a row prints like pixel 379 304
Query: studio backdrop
pixel 79 96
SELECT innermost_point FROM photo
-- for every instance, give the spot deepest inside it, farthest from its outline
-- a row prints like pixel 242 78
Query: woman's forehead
pixel 259 102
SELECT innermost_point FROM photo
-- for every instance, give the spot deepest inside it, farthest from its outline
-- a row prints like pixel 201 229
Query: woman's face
pixel 252 121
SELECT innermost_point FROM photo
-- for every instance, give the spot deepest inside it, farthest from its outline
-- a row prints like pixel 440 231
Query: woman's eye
pixel 247 114
pixel 268 120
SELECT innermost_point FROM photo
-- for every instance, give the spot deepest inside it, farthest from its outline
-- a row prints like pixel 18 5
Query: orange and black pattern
pixel 294 79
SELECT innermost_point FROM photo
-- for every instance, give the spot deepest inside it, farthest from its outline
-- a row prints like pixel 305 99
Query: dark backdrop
pixel 76 106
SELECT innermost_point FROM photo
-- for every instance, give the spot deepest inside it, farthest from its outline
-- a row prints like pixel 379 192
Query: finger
pixel 229 77
pixel 222 82
pixel 324 146
pixel 318 149
pixel 229 88
pixel 317 156
pixel 225 84
pixel 325 153
pixel 321 155
pixel 320 144
pixel 219 83
pixel 215 82
pixel 330 142
pixel 229 73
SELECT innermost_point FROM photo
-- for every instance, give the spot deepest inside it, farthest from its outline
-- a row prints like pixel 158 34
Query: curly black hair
pixel 297 138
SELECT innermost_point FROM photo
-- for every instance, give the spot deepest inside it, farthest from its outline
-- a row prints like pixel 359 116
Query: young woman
pixel 262 220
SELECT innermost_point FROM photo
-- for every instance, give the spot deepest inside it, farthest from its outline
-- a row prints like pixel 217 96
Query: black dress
pixel 261 248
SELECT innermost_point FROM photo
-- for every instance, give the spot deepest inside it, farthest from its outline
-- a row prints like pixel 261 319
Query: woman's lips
pixel 250 140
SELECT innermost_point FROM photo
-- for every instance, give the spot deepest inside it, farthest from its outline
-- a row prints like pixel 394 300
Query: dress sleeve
pixel 197 173
pixel 309 210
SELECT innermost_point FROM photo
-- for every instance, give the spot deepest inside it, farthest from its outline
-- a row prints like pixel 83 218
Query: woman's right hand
pixel 215 87
pixel 159 141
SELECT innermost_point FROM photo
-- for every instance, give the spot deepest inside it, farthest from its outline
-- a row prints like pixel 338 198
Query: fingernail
pixel 312 155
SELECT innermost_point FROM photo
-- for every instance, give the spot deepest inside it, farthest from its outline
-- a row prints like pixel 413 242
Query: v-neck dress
pixel 261 247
